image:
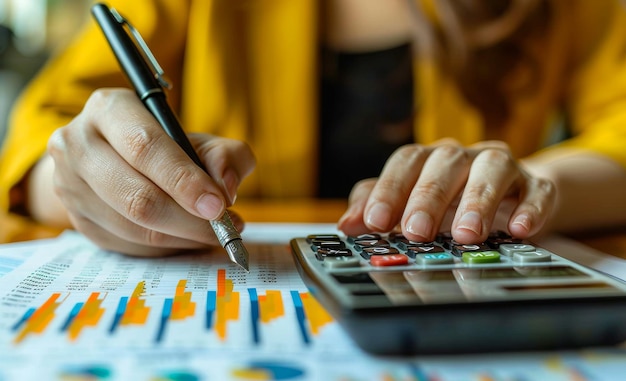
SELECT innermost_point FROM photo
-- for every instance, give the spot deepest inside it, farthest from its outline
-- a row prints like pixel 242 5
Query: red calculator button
pixel 389 260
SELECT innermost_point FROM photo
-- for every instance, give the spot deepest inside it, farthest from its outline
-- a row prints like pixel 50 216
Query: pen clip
pixel 136 36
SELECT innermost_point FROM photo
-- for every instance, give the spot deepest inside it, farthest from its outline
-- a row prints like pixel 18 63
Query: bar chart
pixel 222 307
pixel 73 311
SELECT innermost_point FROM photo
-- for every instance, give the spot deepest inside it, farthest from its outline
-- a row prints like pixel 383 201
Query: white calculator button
pixel 509 249
pixel 341 262
pixel 537 255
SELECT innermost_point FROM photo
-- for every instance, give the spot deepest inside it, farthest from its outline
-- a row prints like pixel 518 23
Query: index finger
pixel 386 202
pixel 139 139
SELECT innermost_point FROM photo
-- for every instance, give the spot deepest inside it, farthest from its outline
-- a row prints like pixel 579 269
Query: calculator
pixel 398 297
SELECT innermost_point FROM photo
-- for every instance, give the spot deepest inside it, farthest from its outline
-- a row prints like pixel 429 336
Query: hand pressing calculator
pixel 395 296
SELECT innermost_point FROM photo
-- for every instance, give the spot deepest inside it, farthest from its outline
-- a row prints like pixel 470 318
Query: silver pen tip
pixel 238 253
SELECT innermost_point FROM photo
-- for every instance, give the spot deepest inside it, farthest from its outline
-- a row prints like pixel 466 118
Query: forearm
pixel 590 189
pixel 42 202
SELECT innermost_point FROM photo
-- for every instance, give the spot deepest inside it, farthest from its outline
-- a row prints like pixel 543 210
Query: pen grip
pixel 156 103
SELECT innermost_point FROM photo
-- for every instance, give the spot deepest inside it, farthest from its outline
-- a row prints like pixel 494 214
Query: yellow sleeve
pixel 596 98
pixel 60 90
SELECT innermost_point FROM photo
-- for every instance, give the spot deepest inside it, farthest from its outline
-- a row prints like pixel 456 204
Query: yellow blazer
pixel 248 70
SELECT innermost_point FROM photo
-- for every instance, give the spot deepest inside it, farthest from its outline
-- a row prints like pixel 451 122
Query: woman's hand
pixel 468 191
pixel 129 187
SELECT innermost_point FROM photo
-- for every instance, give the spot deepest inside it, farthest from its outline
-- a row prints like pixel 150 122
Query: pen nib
pixel 238 253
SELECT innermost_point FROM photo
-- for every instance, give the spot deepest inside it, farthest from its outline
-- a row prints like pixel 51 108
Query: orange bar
pixel 315 313
pixel 271 306
pixel 221 279
pixel 88 316
pixel 180 287
pixel 139 288
pixel 226 304
pixel 136 310
pixel 40 319
pixel 182 306
pixel 46 306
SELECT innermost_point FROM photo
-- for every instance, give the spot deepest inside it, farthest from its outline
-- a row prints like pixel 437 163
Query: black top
pixel 366 113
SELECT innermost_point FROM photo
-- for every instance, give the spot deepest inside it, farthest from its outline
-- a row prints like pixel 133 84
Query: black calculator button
pixel 498 234
pixel 322 237
pixel 459 249
pixel 408 244
pixel 380 250
pixel 361 244
pixel 495 243
pixel 398 238
pixel 414 250
pixel 368 252
pixel 450 244
pixel 323 253
pixel 332 252
pixel 501 237
pixel 316 245
pixel 444 237
pixel 367 236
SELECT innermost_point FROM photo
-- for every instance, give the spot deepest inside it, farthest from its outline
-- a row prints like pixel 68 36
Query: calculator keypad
pixel 394 250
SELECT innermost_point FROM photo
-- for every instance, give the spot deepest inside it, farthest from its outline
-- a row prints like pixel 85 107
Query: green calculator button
pixel 434 259
pixel 476 257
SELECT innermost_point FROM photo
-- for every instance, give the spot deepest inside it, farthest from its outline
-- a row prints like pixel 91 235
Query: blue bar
pixel 254 314
pixel 211 300
pixel 72 316
pixel 297 302
pixel 418 373
pixel 165 315
pixel 121 308
pixel 24 319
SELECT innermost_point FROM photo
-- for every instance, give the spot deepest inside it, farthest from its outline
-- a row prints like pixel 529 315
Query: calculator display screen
pixel 466 284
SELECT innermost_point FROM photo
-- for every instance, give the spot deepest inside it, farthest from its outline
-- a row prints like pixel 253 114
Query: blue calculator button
pixel 441 258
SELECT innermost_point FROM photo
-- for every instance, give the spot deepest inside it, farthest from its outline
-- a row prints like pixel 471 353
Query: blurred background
pixel 30 31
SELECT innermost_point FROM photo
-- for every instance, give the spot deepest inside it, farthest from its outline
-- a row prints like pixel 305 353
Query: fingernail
pixel 523 220
pixel 348 214
pixel 420 224
pixel 471 221
pixel 379 216
pixel 210 206
pixel 230 182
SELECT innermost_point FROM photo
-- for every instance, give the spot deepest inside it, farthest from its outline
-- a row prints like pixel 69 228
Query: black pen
pixel 146 77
